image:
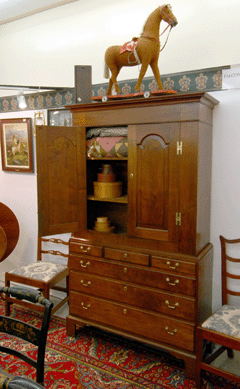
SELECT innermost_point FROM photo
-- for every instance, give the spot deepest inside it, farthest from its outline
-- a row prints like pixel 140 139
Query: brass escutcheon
pixel 172 283
pixel 171 306
pixel 87 284
pixel 87 307
pixel 82 264
pixel 85 251
pixel 170 332
pixel 172 267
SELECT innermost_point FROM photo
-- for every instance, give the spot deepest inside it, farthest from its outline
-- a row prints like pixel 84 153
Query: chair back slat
pixel 228 258
pixel 22 330
pixel 233 276
pixel 54 253
pixel 41 251
pixel 232 292
pixel 227 273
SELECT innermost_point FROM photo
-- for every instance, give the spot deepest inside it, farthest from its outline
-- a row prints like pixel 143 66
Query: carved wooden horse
pixel 146 51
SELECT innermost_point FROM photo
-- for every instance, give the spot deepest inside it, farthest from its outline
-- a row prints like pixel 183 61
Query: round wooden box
pixel 103 190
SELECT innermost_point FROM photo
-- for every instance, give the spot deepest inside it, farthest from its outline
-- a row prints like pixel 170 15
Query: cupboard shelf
pixel 107 159
pixel 122 199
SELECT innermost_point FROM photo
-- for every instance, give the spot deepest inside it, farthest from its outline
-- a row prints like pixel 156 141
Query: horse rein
pixel 157 40
pixel 167 36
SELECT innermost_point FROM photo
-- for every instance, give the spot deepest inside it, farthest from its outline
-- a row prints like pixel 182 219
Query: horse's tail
pixel 106 73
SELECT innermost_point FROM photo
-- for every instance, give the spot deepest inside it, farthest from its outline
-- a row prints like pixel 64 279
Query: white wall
pixel 225 210
pixel 43 49
pixel 18 191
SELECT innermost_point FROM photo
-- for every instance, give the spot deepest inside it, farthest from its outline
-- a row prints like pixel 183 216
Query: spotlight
pixel 21 100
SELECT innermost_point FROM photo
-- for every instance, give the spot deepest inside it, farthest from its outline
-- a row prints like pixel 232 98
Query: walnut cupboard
pixel 150 278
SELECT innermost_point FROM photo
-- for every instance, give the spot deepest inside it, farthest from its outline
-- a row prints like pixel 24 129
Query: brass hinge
pixel 178 218
pixel 179 147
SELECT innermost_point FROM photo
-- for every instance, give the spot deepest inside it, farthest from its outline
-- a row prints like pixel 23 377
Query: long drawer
pixel 146 298
pixel 134 274
pixel 143 323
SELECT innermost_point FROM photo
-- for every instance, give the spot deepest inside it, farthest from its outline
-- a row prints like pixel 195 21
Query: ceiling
pixel 11 10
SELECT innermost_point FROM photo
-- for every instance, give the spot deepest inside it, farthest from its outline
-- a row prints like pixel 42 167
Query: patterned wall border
pixel 193 81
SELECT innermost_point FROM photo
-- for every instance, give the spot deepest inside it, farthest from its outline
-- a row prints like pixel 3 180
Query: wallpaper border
pixel 197 80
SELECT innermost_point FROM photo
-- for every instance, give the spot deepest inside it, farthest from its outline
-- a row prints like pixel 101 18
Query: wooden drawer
pixel 145 298
pixel 88 249
pixel 134 274
pixel 146 324
pixel 127 256
pixel 173 265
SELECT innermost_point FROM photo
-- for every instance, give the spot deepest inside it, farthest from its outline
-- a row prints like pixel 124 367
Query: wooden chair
pixel 43 275
pixel 25 331
pixel 222 328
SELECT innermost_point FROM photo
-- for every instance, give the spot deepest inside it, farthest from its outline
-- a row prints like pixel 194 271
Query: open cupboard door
pixel 61 179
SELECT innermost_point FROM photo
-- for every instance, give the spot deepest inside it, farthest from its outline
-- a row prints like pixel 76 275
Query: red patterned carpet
pixel 96 360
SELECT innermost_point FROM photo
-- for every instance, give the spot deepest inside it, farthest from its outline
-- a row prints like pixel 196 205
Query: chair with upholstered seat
pixel 222 329
pixel 24 330
pixel 43 274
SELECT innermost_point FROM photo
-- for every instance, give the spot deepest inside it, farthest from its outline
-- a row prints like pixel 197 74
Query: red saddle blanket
pixel 129 46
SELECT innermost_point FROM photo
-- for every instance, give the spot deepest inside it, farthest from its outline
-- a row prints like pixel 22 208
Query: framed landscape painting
pixel 16 145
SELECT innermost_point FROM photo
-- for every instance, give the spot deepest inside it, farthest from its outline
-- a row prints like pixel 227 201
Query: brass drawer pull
pixel 125 311
pixel 87 307
pixel 85 251
pixel 87 284
pixel 169 332
pixel 125 270
pixel 172 283
pixel 125 288
pixel 172 267
pixel 82 265
pixel 171 306
pixel 125 255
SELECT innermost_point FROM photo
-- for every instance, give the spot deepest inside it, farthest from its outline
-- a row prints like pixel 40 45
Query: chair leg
pixel 7 303
pixel 230 353
pixel 67 287
pixel 40 372
pixel 199 353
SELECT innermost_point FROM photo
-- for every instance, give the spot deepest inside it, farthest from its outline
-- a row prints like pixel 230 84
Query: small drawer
pixel 127 256
pixel 174 265
pixel 88 249
pixel 144 324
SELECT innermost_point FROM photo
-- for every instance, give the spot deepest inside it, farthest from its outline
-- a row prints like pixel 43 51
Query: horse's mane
pixel 160 8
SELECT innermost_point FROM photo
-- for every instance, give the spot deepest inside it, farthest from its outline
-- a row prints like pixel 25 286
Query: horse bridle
pixel 171 23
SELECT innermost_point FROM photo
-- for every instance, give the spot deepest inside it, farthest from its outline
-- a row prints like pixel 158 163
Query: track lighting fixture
pixel 21 99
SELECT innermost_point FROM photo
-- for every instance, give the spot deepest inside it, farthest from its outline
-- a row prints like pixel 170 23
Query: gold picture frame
pixel 16 145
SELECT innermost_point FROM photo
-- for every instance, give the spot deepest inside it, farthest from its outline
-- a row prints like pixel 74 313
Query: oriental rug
pixel 97 360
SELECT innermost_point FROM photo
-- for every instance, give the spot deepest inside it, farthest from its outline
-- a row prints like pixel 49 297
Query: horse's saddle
pixel 129 46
